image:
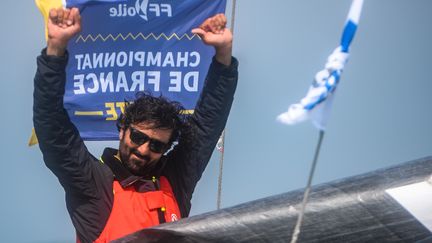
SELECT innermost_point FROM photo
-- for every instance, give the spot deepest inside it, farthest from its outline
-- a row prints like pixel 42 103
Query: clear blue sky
pixel 382 111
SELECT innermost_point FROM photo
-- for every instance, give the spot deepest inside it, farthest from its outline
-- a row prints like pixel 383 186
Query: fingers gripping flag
pixel 316 105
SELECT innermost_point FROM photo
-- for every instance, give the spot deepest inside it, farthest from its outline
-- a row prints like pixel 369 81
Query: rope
pixel 221 144
pixel 307 190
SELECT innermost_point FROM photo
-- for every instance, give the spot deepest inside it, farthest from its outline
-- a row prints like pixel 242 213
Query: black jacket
pixel 88 182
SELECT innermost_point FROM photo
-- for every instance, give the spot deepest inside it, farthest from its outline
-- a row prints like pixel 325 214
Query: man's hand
pixel 214 32
pixel 62 25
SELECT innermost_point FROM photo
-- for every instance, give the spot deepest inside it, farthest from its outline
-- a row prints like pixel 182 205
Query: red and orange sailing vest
pixel 133 211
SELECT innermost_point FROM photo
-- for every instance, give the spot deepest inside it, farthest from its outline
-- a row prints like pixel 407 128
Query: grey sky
pixel 381 114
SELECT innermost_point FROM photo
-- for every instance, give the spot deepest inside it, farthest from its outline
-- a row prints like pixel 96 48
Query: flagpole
pixel 296 231
pixel 222 138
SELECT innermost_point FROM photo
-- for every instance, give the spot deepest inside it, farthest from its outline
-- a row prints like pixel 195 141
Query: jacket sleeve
pixel 207 122
pixel 63 150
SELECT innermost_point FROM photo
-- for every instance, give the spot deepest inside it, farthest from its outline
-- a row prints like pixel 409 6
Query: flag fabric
pixel 317 103
pixel 129 46
pixel 45 5
pixel 78 3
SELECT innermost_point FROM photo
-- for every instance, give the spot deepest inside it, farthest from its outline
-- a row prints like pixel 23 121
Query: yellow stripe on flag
pixel 88 113
pixel 186 112
pixel 33 139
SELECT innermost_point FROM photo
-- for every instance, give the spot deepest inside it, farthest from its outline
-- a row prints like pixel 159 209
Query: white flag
pixel 317 103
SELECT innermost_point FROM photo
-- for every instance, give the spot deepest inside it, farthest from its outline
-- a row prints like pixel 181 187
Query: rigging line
pixel 296 231
pixel 221 160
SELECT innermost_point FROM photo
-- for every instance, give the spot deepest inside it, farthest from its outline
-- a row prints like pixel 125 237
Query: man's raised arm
pixel 212 109
pixel 63 150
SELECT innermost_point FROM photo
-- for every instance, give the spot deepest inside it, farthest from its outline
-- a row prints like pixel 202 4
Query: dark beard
pixel 138 168
pixel 149 169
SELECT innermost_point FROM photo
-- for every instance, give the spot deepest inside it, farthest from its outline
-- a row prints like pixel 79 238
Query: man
pixel 146 182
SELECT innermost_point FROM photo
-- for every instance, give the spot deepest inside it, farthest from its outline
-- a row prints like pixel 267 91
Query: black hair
pixel 158 111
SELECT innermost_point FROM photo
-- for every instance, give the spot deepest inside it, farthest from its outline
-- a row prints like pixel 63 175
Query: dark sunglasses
pixel 140 138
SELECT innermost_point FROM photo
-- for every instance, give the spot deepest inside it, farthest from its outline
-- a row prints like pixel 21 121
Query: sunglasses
pixel 140 138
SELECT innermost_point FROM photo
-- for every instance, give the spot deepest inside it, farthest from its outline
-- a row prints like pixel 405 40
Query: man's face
pixel 141 153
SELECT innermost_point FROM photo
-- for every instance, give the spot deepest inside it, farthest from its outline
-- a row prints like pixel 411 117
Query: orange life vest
pixel 133 211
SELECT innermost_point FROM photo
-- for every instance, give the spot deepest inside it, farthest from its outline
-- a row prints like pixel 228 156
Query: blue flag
pixel 128 46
